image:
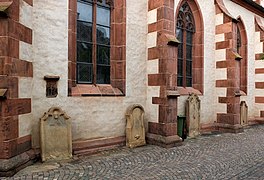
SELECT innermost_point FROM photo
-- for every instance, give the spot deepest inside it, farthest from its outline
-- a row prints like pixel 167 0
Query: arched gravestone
pixel 243 113
pixel 55 135
pixel 193 115
pixel 135 131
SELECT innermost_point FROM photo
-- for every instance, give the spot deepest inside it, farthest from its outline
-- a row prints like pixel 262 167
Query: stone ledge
pixel 8 167
pixel 92 146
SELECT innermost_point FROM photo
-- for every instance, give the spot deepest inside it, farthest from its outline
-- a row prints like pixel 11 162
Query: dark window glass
pixel 85 72
pixel 84 31
pixel 238 40
pixel 93 42
pixel 103 55
pixel 84 52
pixel 103 35
pixel 184 31
pixel 102 74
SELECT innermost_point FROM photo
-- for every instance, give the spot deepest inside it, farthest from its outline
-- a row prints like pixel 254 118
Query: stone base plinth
pixel 228 128
pixel 8 167
pixel 164 141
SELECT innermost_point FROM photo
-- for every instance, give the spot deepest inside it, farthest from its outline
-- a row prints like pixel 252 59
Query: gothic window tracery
pixel 185 29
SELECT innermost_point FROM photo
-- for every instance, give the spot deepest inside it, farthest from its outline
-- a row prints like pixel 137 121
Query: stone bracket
pixel 172 40
pixel 173 94
pixel 5 4
pixel 3 94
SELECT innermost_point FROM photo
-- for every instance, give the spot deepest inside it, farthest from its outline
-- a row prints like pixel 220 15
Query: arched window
pixel 184 32
pixel 241 49
pixel 238 44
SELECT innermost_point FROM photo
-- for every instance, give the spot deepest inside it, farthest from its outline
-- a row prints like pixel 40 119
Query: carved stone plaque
pixel 193 115
pixel 135 131
pixel 55 135
pixel 243 113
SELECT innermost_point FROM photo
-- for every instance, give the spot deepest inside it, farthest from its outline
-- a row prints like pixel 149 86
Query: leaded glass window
pixel 93 41
pixel 184 32
pixel 238 41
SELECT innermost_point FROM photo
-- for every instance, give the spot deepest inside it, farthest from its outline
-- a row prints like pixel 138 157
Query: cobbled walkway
pixel 223 156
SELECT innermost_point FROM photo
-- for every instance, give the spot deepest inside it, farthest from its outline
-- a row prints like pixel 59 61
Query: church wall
pixel 208 99
pixel 92 117
pixel 254 47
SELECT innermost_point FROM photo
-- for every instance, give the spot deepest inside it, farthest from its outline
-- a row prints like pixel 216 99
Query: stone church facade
pixel 95 58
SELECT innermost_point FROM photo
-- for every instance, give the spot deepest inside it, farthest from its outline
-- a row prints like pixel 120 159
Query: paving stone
pixel 220 156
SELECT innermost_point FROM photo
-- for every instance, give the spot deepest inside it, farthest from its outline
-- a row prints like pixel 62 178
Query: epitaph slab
pixel 243 113
pixel 55 135
pixel 135 131
pixel 193 115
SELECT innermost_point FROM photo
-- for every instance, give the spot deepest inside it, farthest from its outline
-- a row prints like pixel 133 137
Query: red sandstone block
pixel 157 79
pixel 261 113
pixel 223 44
pixel 154 4
pixel 4 27
pixel 259 71
pixel 8 128
pixel 13 107
pixel 221 83
pixel 259 85
pixel 165 12
pixel 224 28
pixel 11 83
pixel 259 100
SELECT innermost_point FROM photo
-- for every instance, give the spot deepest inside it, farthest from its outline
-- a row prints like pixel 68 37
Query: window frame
pixel 197 52
pixel 186 27
pixel 94 62
pixel 117 86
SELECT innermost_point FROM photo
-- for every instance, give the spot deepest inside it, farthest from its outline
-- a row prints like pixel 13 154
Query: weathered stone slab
pixel 135 131
pixel 55 135
pixel 243 113
pixel 193 115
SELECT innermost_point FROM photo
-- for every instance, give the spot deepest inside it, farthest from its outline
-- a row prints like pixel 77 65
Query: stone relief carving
pixel 243 113
pixel 55 135
pixel 135 131
pixel 193 115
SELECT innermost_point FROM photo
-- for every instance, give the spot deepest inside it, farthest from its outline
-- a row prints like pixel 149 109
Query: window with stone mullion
pixel 184 32
pixel 93 42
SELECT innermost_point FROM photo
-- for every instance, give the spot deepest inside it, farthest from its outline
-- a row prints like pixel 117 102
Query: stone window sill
pixel 184 91
pixel 95 90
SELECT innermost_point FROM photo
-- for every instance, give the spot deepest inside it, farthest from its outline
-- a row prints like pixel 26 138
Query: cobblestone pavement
pixel 223 156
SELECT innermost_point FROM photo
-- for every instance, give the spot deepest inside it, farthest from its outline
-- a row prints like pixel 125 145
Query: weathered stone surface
pixel 135 131
pixel 243 113
pixel 9 167
pixel 55 135
pixel 193 115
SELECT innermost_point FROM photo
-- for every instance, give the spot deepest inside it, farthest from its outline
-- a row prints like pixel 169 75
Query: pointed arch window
pixel 184 31
pixel 239 43
pixel 241 49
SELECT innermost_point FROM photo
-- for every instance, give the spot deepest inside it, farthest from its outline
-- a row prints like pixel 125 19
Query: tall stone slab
pixel 135 131
pixel 193 115
pixel 243 113
pixel 55 135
